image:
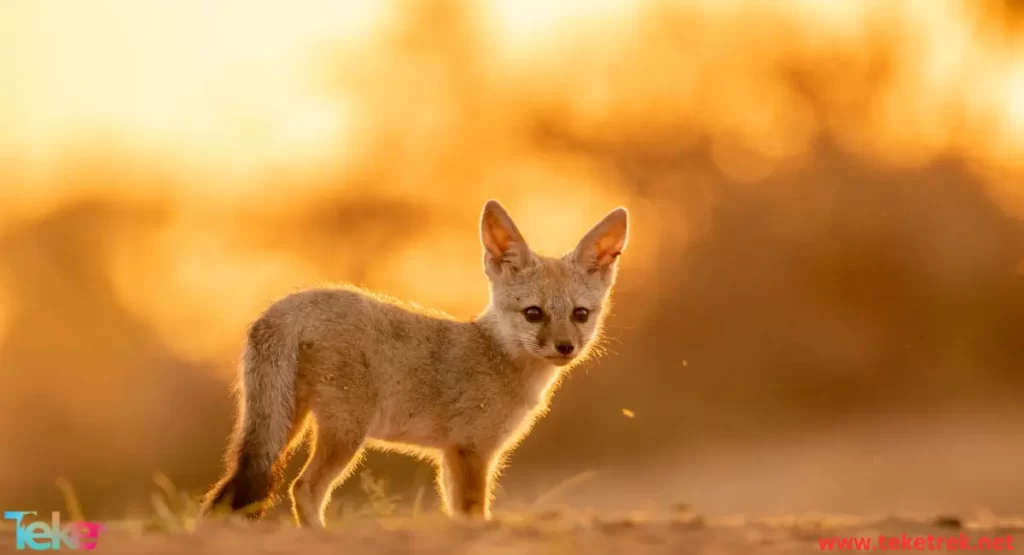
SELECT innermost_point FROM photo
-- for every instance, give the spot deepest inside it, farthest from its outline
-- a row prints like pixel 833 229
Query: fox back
pixel 360 369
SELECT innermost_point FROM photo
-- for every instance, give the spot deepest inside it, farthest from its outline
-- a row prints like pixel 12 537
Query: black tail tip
pixel 237 496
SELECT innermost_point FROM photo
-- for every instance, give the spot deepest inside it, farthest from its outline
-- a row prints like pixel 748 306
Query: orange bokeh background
pixel 827 201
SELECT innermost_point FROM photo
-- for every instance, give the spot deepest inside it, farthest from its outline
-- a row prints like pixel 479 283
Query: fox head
pixel 545 307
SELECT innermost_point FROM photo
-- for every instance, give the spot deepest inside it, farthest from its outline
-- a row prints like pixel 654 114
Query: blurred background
pixel 821 309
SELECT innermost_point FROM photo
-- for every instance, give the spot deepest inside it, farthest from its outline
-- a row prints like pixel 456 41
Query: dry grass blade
pixel 566 485
pixel 71 499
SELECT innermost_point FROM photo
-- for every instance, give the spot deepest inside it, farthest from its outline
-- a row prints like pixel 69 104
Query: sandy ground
pixel 556 532
pixel 890 464
pixel 963 467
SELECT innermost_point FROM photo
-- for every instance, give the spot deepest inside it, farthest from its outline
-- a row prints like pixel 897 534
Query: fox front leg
pixel 466 482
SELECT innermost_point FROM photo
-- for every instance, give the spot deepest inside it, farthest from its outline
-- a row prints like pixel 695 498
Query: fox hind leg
pixel 335 451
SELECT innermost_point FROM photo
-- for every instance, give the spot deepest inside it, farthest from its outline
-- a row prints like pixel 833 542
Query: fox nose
pixel 564 347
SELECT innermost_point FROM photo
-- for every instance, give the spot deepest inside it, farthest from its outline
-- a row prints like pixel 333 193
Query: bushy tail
pixel 266 415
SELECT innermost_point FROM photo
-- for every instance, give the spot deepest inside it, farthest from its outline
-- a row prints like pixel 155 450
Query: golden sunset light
pixel 825 199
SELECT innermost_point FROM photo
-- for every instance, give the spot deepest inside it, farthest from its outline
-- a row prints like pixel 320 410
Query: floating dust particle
pixel 628 413
pixel 686 363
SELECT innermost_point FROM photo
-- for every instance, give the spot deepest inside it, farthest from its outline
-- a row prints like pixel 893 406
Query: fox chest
pixel 528 406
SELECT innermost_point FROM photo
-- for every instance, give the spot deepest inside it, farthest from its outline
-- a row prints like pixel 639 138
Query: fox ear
pixel 602 245
pixel 504 246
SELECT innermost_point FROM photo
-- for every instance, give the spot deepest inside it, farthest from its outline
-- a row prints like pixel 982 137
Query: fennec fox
pixel 366 370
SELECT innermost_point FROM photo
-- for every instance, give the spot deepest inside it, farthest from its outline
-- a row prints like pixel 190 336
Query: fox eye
pixel 580 314
pixel 533 314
